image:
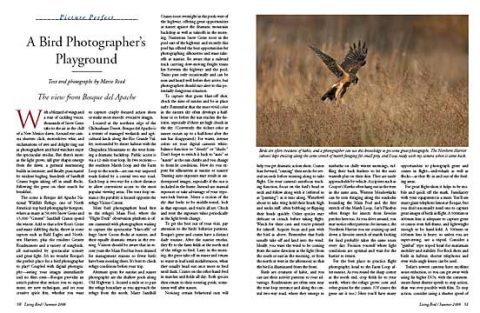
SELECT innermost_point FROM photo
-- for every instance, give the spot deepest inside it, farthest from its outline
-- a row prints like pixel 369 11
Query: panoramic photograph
pixel 362 81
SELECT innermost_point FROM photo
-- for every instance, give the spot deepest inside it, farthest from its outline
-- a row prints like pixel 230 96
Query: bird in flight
pixel 345 72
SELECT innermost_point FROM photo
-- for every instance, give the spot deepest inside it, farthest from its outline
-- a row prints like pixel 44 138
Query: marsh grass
pixel 413 90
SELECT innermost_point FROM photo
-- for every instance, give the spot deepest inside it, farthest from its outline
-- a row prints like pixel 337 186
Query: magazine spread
pixel 228 157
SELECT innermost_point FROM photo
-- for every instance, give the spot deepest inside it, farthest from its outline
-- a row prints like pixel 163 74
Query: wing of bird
pixel 355 58
pixel 329 62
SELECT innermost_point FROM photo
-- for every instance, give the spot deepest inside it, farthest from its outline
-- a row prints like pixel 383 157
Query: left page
pixel 169 157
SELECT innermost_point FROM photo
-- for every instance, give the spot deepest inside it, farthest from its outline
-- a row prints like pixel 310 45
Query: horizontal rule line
pixel 87 71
